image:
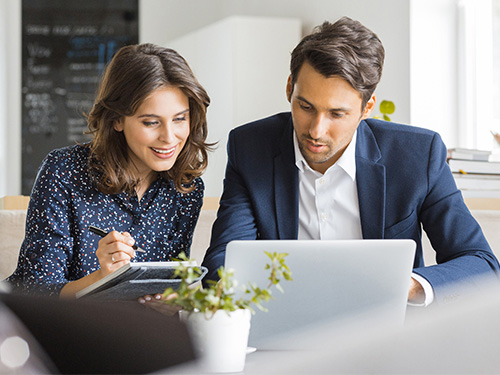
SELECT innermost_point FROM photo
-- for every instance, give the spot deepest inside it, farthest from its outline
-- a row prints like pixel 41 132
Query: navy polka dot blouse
pixel 58 247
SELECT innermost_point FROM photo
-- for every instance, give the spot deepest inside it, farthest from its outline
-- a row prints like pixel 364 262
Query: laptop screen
pixel 331 280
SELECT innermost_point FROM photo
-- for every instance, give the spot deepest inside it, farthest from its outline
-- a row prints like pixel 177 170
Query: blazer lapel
pixel 371 183
pixel 286 187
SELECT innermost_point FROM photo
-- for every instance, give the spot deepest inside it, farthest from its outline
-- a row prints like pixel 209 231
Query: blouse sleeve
pixel 47 248
pixel 188 216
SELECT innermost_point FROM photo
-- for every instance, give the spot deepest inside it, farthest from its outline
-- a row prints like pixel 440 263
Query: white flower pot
pixel 221 340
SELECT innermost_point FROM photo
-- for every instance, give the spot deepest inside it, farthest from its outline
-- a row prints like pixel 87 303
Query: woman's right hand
pixel 114 251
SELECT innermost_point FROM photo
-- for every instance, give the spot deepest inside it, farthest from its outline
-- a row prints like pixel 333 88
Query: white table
pixel 461 338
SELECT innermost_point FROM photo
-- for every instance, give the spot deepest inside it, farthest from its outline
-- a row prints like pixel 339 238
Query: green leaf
pixel 220 295
pixel 387 107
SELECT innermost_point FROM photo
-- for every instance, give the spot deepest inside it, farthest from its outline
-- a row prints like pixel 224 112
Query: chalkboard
pixel 65 47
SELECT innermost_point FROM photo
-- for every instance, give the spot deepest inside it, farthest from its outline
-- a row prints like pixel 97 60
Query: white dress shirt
pixel 328 203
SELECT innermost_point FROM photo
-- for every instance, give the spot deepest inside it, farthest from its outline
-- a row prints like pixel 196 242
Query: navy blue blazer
pixel 403 181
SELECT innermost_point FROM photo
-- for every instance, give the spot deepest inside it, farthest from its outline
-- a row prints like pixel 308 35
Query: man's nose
pixel 318 127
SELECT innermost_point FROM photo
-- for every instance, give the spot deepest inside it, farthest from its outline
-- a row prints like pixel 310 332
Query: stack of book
pixel 476 172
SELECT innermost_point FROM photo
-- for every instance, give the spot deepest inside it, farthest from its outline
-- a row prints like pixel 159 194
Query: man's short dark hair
pixel 345 49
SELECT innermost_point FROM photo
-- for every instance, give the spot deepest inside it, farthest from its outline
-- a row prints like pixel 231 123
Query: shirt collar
pixel 347 161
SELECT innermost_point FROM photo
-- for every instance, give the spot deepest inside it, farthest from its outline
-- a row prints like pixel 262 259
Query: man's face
pixel 326 112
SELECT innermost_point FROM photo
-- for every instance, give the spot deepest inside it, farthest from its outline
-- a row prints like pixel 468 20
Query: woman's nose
pixel 166 133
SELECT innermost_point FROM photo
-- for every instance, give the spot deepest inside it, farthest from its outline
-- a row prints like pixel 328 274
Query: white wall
pixel 10 97
pixel 391 24
pixel 3 95
pixel 242 61
pixel 162 20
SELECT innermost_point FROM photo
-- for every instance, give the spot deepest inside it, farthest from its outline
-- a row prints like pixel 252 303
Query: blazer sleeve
pixel 464 258
pixel 235 217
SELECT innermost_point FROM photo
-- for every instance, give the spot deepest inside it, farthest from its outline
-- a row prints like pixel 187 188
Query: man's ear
pixel 369 107
pixel 289 89
pixel 118 125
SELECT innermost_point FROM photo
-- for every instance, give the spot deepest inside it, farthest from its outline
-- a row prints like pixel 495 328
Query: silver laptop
pixel 332 280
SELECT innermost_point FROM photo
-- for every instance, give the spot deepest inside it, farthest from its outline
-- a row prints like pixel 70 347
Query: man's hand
pixel 416 293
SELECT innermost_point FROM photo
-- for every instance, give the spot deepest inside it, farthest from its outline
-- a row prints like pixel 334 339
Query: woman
pixel 138 178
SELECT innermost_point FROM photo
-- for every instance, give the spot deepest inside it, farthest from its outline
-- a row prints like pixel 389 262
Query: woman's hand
pixel 114 251
pixel 155 302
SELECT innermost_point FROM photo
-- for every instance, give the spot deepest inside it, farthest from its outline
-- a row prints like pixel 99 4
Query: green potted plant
pixel 217 317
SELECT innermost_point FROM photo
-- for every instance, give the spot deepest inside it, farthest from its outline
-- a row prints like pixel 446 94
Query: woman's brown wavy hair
pixel 130 77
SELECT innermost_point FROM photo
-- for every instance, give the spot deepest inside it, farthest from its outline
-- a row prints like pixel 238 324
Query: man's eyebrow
pixel 340 109
pixel 301 98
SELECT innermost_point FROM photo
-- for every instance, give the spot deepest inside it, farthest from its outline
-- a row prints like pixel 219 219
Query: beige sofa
pixel 12 222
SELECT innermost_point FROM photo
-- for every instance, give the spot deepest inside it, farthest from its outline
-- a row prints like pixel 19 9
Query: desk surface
pixel 459 338
pixel 259 362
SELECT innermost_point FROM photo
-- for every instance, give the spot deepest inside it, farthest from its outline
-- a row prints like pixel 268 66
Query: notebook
pixel 136 279
pixel 331 280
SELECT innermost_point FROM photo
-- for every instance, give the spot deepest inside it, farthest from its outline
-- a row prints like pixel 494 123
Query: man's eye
pixel 305 107
pixel 337 115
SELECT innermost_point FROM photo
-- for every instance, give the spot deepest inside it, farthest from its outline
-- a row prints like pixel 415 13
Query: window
pixel 496 60
pixel 478 72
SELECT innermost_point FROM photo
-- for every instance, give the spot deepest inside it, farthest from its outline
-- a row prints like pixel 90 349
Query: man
pixel 327 171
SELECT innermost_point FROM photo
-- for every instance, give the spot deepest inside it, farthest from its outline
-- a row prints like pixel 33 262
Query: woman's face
pixel 157 132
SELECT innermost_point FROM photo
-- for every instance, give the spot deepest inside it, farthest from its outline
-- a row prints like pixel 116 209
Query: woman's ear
pixel 118 125
pixel 369 107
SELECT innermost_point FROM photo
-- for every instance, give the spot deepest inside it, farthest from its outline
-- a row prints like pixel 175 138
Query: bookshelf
pixel 477 175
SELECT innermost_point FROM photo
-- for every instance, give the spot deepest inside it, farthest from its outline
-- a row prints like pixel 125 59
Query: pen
pixel 103 233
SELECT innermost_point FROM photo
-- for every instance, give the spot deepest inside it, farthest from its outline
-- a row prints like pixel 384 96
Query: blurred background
pixel 442 67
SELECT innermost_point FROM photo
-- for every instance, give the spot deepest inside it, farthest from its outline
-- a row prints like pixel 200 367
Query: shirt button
pixel 324 216
pixel 136 220
pixel 321 181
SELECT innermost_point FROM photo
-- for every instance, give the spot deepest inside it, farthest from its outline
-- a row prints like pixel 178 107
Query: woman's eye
pixel 180 119
pixel 150 123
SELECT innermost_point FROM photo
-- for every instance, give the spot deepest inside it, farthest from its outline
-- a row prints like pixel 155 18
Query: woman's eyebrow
pixel 157 116
pixel 182 112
